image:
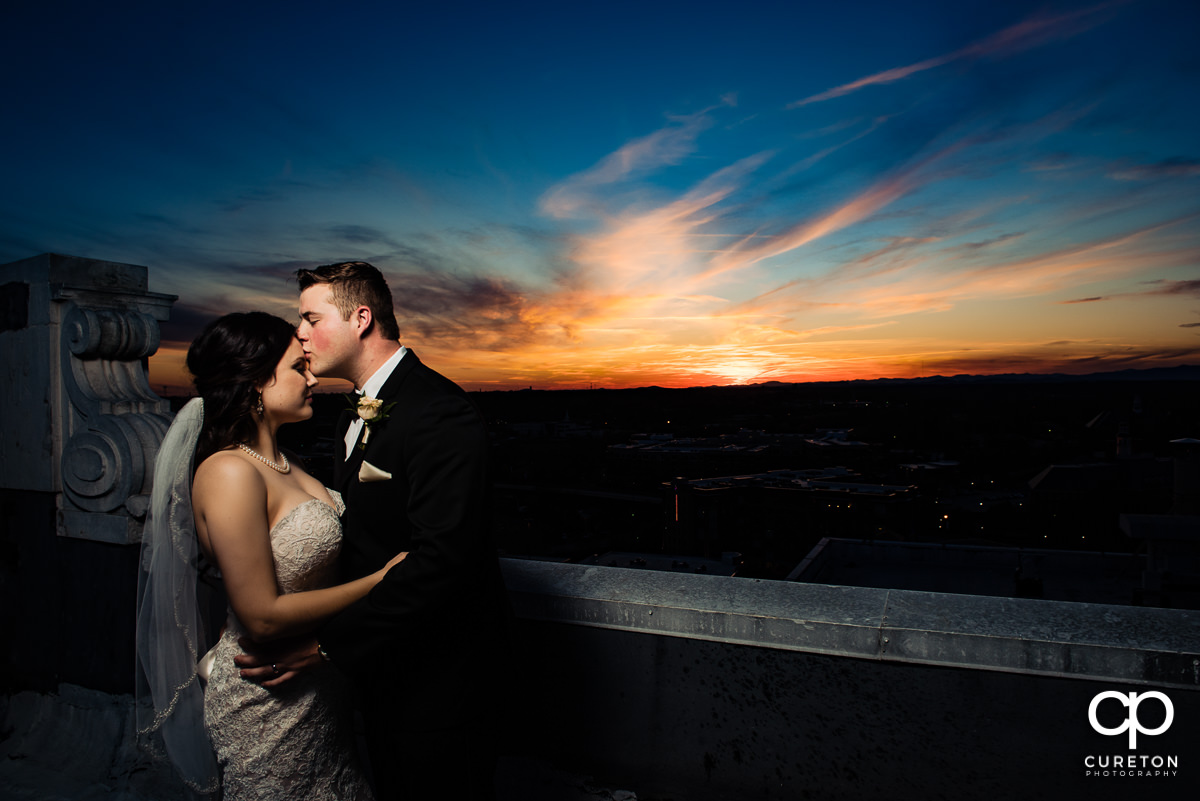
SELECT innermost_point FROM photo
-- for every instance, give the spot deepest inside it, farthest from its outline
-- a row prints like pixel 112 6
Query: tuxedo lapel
pixel 391 388
pixel 340 472
pixel 350 467
pixel 346 470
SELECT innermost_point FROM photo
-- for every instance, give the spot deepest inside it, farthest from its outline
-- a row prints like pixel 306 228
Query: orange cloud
pixel 915 279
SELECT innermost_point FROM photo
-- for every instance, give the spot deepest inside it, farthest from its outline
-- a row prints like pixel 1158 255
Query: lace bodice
pixel 306 542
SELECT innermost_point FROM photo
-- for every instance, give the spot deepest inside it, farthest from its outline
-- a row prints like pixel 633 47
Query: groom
pixel 425 647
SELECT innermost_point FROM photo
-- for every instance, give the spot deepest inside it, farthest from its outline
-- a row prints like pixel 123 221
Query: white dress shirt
pixel 371 389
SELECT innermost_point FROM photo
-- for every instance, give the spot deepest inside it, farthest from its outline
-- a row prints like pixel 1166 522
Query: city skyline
pixel 622 195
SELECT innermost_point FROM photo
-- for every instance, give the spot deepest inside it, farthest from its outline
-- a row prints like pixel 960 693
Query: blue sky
pixel 627 194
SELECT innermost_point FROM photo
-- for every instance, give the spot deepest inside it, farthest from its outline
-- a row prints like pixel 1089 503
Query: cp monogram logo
pixel 1131 723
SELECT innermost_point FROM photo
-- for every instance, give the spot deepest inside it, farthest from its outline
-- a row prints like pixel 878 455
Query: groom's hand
pixel 271 664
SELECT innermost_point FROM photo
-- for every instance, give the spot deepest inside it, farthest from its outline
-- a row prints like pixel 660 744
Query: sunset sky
pixel 626 194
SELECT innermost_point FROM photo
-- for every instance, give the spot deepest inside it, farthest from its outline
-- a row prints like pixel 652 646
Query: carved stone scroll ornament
pixel 119 334
pixel 119 422
pixel 103 351
pixel 110 464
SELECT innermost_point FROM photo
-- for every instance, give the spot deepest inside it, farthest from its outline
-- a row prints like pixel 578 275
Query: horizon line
pixel 189 392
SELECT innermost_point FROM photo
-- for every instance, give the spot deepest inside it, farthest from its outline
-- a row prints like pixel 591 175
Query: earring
pixel 259 408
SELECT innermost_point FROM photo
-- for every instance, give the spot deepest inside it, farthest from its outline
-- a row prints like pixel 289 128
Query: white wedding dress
pixel 295 741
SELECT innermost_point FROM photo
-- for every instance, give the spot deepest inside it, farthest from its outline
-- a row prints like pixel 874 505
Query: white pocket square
pixel 205 665
pixel 369 472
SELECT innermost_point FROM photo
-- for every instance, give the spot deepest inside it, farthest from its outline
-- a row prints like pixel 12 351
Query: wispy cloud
pixel 667 146
pixel 1028 33
pixel 666 241
pixel 1163 287
pixel 359 235
pixel 1120 256
pixel 1159 288
pixel 809 161
pixel 919 274
pixel 1178 167
pixel 883 192
pixel 1070 358
pixel 1052 162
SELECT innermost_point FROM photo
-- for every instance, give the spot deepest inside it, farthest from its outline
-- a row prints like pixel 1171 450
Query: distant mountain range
pixel 1186 372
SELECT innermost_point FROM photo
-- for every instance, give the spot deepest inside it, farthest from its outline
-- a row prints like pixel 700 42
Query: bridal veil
pixel 170 630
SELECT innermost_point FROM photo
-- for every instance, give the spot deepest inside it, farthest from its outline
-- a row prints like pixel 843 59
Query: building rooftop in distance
pixel 826 480
pixel 726 566
pixel 1080 576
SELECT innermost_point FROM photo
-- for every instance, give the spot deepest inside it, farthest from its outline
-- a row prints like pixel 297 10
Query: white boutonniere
pixel 371 411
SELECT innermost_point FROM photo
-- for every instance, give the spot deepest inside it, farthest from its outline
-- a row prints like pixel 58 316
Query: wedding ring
pixel 275 669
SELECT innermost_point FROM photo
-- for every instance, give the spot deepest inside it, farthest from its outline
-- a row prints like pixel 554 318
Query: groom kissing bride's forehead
pixel 425 646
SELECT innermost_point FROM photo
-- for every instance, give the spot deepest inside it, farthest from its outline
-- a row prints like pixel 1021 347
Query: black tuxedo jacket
pixel 423 645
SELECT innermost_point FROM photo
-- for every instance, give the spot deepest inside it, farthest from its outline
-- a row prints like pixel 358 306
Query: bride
pixel 273 533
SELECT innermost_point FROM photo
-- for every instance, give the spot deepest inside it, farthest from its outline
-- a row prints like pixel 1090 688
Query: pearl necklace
pixel 285 468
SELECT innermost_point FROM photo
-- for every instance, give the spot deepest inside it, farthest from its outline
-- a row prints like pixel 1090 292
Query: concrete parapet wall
pixel 704 687
pixel 1134 645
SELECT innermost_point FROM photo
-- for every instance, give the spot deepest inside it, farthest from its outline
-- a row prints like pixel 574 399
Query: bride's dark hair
pixel 233 357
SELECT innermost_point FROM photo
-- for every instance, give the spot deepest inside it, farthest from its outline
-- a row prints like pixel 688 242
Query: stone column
pixel 80 419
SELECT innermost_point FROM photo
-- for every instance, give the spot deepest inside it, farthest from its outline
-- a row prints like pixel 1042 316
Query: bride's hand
pixel 397 559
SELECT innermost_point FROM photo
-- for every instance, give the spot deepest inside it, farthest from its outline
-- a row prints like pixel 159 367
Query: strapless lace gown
pixel 295 741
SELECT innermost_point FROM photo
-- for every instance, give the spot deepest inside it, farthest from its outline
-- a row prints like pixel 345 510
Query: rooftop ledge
pixel 1135 645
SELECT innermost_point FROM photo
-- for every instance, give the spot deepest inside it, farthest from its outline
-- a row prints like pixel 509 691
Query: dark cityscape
pixel 749 480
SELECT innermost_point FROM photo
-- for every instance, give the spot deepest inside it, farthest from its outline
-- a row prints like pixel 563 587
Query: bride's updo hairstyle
pixel 229 361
